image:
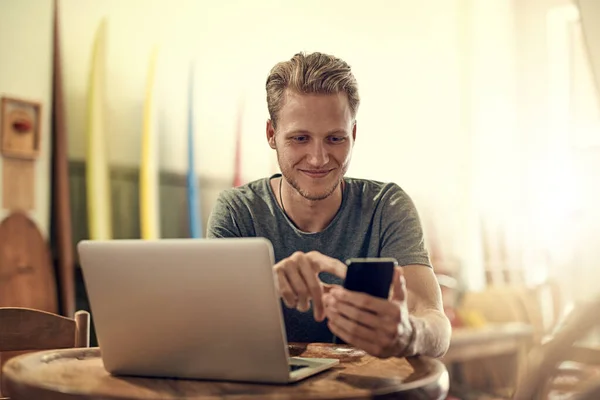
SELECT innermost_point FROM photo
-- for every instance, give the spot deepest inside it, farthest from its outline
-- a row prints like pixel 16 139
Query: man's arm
pixel 403 238
pixel 424 301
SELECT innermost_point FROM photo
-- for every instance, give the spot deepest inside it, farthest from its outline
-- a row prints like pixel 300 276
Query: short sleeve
pixel 402 232
pixel 221 222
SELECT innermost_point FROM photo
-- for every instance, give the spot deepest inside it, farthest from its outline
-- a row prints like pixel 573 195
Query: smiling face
pixel 314 138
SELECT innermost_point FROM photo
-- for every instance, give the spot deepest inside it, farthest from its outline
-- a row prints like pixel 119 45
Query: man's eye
pixel 300 139
pixel 337 139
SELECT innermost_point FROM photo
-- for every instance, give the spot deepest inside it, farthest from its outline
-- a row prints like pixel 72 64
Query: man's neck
pixel 308 215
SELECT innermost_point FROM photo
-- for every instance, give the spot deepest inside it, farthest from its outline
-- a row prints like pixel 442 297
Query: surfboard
pixel 62 235
pixel 193 197
pixel 237 166
pixel 99 208
pixel 149 171
pixel 26 267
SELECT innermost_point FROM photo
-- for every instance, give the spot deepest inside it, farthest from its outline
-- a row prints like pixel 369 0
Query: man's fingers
pixel 357 315
pixel 286 291
pixel 384 323
pixel 328 264
pixel 309 271
pixel 327 287
pixel 376 335
pixel 362 301
pixel 398 285
pixel 349 329
pixel 299 287
pixel 299 282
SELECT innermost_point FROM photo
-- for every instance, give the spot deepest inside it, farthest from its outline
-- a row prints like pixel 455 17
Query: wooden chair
pixel 561 365
pixel 24 330
pixel 552 303
pixel 498 373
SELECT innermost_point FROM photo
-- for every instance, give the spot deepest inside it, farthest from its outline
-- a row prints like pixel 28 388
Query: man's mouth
pixel 313 173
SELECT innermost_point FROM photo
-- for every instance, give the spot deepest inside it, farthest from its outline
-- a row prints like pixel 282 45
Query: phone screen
pixel 372 276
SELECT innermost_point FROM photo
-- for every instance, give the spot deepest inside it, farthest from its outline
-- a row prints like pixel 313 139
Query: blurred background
pixel 486 112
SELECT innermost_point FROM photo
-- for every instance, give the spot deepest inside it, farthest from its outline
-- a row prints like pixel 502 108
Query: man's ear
pixel 354 132
pixel 271 134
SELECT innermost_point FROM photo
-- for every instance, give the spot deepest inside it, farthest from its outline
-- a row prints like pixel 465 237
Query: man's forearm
pixel 432 331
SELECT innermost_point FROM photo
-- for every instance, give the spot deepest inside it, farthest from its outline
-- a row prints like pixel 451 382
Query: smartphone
pixel 372 276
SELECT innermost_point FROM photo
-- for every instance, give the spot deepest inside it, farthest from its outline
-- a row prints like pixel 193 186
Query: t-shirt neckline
pixel 291 224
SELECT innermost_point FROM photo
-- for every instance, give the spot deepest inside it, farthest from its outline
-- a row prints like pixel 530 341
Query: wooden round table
pixel 79 374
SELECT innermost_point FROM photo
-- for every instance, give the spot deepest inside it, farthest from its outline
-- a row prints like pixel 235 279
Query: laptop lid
pixel 187 308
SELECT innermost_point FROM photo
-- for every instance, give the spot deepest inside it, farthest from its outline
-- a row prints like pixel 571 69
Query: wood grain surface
pixel 62 234
pixel 26 271
pixel 79 374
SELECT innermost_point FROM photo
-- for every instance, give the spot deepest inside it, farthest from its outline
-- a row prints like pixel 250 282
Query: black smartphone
pixel 372 276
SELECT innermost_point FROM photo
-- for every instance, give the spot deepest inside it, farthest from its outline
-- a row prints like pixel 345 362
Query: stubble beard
pixel 293 183
pixel 308 196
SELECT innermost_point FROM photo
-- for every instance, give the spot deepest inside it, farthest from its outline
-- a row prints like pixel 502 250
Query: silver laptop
pixel 190 308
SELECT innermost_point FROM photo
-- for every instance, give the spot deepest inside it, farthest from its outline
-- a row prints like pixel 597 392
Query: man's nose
pixel 318 155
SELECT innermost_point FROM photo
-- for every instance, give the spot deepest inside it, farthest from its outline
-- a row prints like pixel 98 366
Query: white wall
pixel 404 54
pixel 489 116
pixel 26 72
pixel 455 98
pixel 406 65
pixel 560 186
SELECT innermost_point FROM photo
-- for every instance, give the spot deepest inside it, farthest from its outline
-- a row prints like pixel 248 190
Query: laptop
pixel 190 308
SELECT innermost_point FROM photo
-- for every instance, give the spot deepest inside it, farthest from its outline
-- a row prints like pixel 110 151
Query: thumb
pixel 328 264
pixel 328 286
pixel 398 285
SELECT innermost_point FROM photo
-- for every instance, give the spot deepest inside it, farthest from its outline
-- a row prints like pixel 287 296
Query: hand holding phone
pixel 372 276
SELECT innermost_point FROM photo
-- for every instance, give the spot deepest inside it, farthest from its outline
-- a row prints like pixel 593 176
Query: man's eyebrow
pixel 305 132
pixel 297 131
pixel 338 131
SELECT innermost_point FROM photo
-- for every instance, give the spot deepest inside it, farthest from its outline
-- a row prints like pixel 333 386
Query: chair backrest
pixel 544 361
pixel 553 304
pixel 496 304
pixel 25 329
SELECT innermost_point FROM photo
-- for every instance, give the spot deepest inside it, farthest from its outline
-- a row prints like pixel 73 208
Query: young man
pixel 316 218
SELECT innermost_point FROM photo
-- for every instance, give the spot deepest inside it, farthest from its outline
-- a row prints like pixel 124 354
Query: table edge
pixel 438 378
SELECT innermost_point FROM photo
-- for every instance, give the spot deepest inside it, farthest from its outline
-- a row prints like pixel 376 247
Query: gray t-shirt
pixel 375 219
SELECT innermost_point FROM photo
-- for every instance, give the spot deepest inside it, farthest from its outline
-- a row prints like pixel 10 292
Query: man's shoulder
pixel 248 193
pixel 374 189
pixel 238 208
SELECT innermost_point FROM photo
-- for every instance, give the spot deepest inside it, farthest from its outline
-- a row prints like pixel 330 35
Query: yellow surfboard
pixel 149 173
pixel 99 208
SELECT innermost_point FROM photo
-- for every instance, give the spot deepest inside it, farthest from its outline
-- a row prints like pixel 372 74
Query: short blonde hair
pixel 313 73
